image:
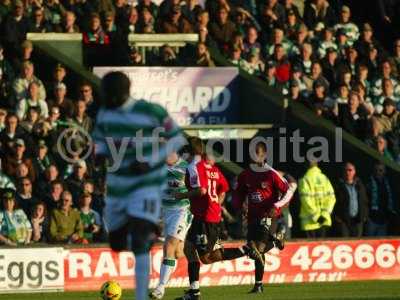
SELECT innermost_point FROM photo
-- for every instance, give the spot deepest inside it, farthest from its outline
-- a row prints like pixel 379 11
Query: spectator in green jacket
pixel 90 218
pixel 65 222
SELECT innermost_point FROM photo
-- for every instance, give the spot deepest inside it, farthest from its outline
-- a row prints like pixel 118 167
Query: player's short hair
pixel 115 87
pixel 195 146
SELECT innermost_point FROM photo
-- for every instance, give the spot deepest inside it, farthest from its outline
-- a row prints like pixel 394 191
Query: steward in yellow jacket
pixel 317 199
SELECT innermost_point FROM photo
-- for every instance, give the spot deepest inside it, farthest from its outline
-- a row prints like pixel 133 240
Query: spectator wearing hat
pixel 326 43
pixel 330 66
pixel 32 100
pixel 350 29
pixel 222 29
pixel 21 85
pixel 293 23
pixel 318 11
pixel 65 222
pixel 91 220
pixel 64 104
pixel 352 117
pixel 15 228
pixel 42 159
pixel 38 23
pixel 25 198
pixel 15 26
pixel 366 41
pixel 176 22
pixel 17 157
pixel 351 207
pixel 68 23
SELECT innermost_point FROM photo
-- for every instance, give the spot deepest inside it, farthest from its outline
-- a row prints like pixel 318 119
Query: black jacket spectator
pixel 314 15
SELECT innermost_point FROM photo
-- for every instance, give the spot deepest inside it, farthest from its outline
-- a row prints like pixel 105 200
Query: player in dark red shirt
pixel 266 192
pixel 207 187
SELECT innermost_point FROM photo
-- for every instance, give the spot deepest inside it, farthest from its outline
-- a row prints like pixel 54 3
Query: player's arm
pixel 240 192
pixel 194 182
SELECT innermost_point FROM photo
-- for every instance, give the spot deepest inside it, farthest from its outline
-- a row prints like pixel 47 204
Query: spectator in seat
pixel 17 157
pixel 122 12
pixel 65 105
pixel 6 182
pixel 53 11
pixel 86 94
pixel 65 222
pixel 31 120
pixel 80 118
pixel 168 56
pixel 351 208
pixel 68 24
pixel 90 218
pixel 293 24
pixel 25 198
pixel 176 22
pixel 327 42
pixel 316 74
pixel 5 9
pixel 59 76
pixel 350 29
pixel 52 188
pixel 351 60
pixel 95 35
pixel 149 5
pixel 38 22
pixel 270 75
pixel 305 58
pixel 3 116
pixel 382 205
pixel 381 145
pixel 318 99
pixel 352 117
pixel 15 26
pixel 272 15
pixel 10 134
pixel 386 72
pixel 42 159
pixel 74 182
pixel 201 27
pixel 40 223
pixel 222 30
pixel 203 58
pixel 22 83
pixel 135 57
pixel 366 41
pixel 251 40
pixel 282 64
pixel 319 11
pixel 147 22
pixel 32 100
pixel 15 228
pixel 396 53
pixel 388 92
pixel 278 38
pixel 190 10
pixel 255 64
pixel 317 200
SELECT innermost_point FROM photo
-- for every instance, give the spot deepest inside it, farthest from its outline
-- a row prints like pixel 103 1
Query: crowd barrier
pixel 85 269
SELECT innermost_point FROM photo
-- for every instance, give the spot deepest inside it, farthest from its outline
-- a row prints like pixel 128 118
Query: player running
pixel 134 190
pixel 267 192
pixel 177 219
pixel 207 187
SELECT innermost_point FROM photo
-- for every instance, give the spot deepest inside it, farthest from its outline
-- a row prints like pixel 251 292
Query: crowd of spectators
pixel 316 56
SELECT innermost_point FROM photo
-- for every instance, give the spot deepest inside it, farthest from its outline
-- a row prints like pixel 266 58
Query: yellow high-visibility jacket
pixel 317 198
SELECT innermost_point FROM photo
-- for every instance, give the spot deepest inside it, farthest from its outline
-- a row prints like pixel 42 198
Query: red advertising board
pixel 87 269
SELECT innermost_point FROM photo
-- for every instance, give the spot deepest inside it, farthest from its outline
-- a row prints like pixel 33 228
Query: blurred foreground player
pixel 134 187
pixel 207 187
pixel 267 192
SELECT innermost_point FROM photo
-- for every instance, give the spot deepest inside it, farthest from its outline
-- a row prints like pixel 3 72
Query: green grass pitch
pixel 373 290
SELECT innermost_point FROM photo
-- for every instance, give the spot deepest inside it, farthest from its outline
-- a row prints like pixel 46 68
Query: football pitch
pixel 374 290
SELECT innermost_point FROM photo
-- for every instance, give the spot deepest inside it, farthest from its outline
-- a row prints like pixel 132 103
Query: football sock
pixel 194 275
pixel 232 253
pixel 167 268
pixel 142 271
pixel 269 246
pixel 259 271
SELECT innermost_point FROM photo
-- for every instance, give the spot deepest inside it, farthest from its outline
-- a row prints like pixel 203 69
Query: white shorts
pixel 143 204
pixel 177 221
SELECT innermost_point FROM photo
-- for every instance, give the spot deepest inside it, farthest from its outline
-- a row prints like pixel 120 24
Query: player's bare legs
pixel 173 250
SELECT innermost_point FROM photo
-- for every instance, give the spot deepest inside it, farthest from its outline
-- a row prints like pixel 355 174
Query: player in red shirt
pixel 266 192
pixel 207 187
